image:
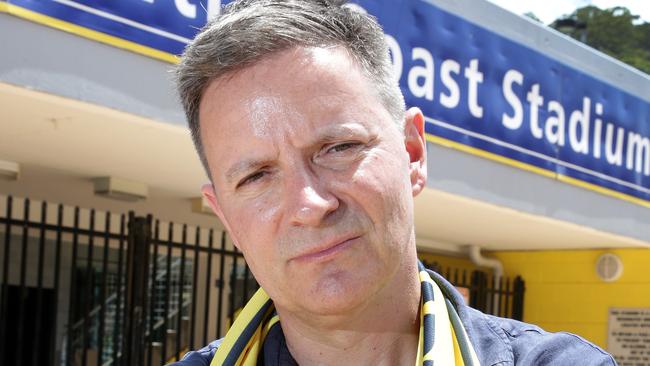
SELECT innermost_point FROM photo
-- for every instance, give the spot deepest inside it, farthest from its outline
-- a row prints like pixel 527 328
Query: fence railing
pixel 85 287
pixel 502 297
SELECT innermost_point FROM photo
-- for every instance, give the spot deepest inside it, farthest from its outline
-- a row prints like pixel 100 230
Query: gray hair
pixel 248 30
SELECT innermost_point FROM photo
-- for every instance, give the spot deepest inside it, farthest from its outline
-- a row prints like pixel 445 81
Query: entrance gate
pixel 83 287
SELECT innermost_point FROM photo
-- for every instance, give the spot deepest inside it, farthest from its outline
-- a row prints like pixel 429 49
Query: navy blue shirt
pixel 497 341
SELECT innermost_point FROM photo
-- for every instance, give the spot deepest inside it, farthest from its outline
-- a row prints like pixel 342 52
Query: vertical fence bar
pixel 464 279
pixel 474 294
pixel 146 281
pixel 57 264
pixel 127 335
pixel 170 236
pixel 88 300
pixel 499 303
pixel 152 296
pixel 494 297
pixel 39 283
pixel 208 276
pixel 488 294
pixel 221 282
pixel 518 298
pixel 5 278
pixel 117 330
pixel 73 287
pixel 179 314
pixel 23 289
pixel 195 278
pixel 233 286
pixel 136 298
pixel 102 296
pixel 245 289
pixel 506 302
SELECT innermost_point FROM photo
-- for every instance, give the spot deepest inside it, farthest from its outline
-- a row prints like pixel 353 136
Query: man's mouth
pixel 327 250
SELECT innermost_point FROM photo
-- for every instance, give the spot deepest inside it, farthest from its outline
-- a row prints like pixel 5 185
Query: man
pixel 314 164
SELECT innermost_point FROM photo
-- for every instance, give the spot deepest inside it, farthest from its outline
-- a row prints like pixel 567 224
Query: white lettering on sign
pixel 583 130
pixel 424 72
pixel 189 10
pixel 184 7
pixel 628 338
pixel 513 122
pixel 474 77
pixel 451 99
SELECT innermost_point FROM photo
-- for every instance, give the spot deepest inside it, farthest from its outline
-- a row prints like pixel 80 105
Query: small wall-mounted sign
pixel 628 338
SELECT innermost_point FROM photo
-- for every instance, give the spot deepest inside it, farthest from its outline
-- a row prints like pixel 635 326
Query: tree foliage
pixel 615 31
pixel 532 16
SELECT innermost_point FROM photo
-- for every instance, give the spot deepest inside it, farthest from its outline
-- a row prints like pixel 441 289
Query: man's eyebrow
pixel 331 133
pixel 243 167
pixel 338 132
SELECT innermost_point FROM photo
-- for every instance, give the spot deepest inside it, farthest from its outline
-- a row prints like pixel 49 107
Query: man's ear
pixel 416 147
pixel 208 192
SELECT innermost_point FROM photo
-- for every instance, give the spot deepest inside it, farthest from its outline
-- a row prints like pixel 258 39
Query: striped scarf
pixel 442 340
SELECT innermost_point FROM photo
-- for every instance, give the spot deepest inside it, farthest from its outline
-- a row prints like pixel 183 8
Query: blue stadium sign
pixel 480 92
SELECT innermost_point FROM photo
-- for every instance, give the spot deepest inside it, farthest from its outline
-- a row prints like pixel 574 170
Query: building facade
pixel 538 158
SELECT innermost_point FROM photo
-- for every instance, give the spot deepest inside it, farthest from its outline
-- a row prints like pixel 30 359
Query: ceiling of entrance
pixel 90 141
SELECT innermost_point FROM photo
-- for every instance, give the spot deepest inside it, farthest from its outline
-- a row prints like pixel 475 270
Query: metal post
pixel 181 280
pixel 519 287
pixel 137 262
pixel 208 273
pixel 4 304
pixel 39 284
pixel 118 337
pixel 23 287
pixel 221 282
pixel 88 301
pixel 102 295
pixel 478 291
pixel 57 278
pixel 154 273
pixel 168 271
pixel 197 242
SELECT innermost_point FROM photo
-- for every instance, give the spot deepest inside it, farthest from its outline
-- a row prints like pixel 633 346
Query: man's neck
pixel 384 331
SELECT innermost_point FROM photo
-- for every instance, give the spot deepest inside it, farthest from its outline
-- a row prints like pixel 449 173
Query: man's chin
pixel 337 295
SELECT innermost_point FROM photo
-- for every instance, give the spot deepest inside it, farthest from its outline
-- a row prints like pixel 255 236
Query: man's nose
pixel 308 200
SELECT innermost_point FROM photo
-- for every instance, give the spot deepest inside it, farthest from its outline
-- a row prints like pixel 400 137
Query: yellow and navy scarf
pixel 443 340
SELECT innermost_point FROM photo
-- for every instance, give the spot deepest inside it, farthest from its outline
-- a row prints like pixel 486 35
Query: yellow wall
pixel 563 291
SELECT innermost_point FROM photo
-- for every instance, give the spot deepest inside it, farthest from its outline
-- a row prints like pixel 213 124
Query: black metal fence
pixel 502 297
pixel 81 287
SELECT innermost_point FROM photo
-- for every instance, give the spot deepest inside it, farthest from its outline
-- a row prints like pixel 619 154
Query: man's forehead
pixel 298 92
pixel 253 92
pixel 267 72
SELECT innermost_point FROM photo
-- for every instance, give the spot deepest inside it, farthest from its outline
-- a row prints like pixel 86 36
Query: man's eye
pixel 251 178
pixel 342 147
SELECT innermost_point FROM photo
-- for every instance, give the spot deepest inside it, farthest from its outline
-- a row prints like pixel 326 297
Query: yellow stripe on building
pixel 537 170
pixel 86 33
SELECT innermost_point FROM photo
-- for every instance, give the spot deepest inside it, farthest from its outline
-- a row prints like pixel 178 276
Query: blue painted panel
pixel 570 126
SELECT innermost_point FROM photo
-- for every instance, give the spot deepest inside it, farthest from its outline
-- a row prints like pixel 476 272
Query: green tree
pixel 532 16
pixel 614 31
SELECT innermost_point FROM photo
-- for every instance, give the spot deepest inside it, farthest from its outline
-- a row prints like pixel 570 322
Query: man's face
pixel 312 178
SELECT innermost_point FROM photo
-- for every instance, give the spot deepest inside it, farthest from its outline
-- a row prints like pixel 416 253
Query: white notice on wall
pixel 628 338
